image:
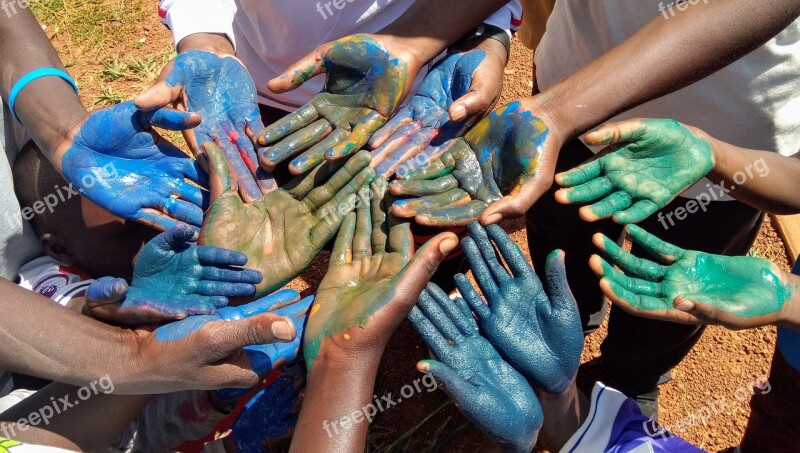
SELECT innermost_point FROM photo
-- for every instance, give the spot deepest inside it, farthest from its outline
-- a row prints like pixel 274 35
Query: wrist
pixel 789 315
pixel 209 42
pixel 493 40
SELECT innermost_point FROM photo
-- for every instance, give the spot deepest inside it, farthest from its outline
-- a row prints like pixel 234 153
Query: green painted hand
pixel 371 285
pixel 282 231
pixel 365 84
pixel 692 287
pixel 647 164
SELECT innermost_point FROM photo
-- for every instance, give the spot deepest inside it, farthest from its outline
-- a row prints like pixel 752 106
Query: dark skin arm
pixel 659 59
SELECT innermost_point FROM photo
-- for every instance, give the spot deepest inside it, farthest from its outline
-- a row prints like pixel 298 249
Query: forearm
pixel 663 57
pixel 431 26
pixel 333 414
pixel 757 178
pixel 43 339
pixel 63 416
pixel 790 313
pixel 563 415
pixel 48 107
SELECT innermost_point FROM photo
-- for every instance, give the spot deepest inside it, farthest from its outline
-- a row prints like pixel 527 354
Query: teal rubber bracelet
pixel 30 77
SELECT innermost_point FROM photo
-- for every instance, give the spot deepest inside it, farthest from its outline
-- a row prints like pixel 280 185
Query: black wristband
pixel 484 31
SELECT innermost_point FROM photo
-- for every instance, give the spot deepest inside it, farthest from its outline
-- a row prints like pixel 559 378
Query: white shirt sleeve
pixel 509 17
pixel 188 17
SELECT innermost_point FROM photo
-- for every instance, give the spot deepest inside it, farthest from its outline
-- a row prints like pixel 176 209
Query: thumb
pixel 306 68
pixel 558 289
pixel 609 134
pixel 175 238
pixel 454 385
pixel 107 290
pixel 705 313
pixel 161 94
pixel 478 100
pixel 223 339
pixel 418 272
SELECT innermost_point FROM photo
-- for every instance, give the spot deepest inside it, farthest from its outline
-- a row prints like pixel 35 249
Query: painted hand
pixel 282 231
pixel 288 313
pixel 173 278
pixel 365 84
pixel 499 156
pixel 370 285
pixel 457 92
pixel 692 287
pixel 115 159
pixel 269 417
pixel 474 374
pixel 539 333
pixel 219 88
pixel 647 164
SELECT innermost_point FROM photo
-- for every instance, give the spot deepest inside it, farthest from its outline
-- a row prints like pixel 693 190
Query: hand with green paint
pixel 282 231
pixel 370 285
pixel 693 287
pixel 366 82
pixel 646 165
pixel 498 159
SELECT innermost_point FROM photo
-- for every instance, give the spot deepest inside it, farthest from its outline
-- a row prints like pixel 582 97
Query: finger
pixel 595 189
pixel 462 320
pixel 609 134
pixel 157 220
pixel 358 138
pixel 473 104
pixel 421 188
pixel 216 256
pixel 219 340
pixel 435 167
pixel 703 313
pixel 345 182
pixel 609 205
pixel 298 142
pixel 183 211
pixel 653 245
pixel 388 163
pixel 393 141
pixel 429 306
pixel 471 296
pixel 216 274
pixel 401 240
pixel 106 290
pixel 265 304
pixel 510 252
pixel 452 216
pixel 287 125
pixel 480 269
pixel 343 247
pixel 191 194
pixel 175 239
pixel 523 198
pixel 410 207
pixel 403 117
pixel 295 310
pixel 628 262
pixel 161 94
pixel 430 335
pixel 418 272
pixel 306 68
pixel 239 171
pixel 220 180
pixel 456 387
pixel 634 285
pixel 171 119
pixel 637 304
pixel 362 240
pixel 640 211
pixel 486 249
pixel 580 175
pixel 558 290
pixel 380 225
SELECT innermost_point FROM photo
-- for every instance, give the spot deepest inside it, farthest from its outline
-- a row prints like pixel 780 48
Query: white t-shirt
pixel 271 35
pixel 753 103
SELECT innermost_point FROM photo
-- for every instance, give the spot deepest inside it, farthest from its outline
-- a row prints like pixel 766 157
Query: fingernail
pixel 423 367
pixel 447 245
pixel 459 112
pixel 282 330
pixel 494 218
pixel 684 305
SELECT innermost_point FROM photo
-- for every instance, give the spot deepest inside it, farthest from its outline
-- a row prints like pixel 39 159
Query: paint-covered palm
pixel 497 157
pixel 365 85
pixel 423 129
pixel 282 231
pixel 537 332
pixel 219 88
pixel 649 163
pixel 356 307
pixel 118 161
pixel 737 292
pixel 473 373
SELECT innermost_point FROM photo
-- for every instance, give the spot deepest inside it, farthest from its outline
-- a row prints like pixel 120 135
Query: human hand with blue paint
pixel 486 388
pixel 284 230
pixel 287 313
pixel 218 87
pixel 647 163
pixel 366 82
pixel 536 329
pixel 173 278
pixel 499 157
pixel 116 159
pixel 455 94
pixel 689 287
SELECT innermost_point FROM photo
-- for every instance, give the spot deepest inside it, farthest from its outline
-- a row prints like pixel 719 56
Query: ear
pixel 55 248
